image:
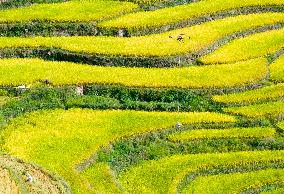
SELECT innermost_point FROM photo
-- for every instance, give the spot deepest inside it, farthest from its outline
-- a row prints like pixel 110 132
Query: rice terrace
pixel 142 96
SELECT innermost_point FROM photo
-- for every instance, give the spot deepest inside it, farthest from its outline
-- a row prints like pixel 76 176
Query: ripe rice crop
pixel 101 176
pixel 71 11
pixel 277 70
pixel 256 132
pixel 281 125
pixel 180 13
pixel 234 182
pixel 252 96
pixel 30 71
pixel 268 109
pixel 253 46
pixel 127 151
pixel 52 138
pixel 164 175
pixel 157 45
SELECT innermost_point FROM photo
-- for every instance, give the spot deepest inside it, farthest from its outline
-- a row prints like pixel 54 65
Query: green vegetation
pixel 40 98
pixel 273 92
pixel 277 70
pixel 72 11
pixel 147 2
pixel 128 152
pixel 253 46
pixel 183 12
pixel 53 138
pixel 95 102
pixel 268 109
pixel 275 191
pixel 222 133
pixel 32 71
pixel 3 100
pixel 39 28
pixel 165 99
pixel 165 174
pixel 4 97
pixel 234 182
pixel 106 97
pixel 202 36
pixel 5 4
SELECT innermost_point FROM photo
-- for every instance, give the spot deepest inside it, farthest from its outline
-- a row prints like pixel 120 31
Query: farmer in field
pixel 180 37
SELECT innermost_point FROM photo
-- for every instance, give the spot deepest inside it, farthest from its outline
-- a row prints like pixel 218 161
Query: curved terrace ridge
pixel 146 51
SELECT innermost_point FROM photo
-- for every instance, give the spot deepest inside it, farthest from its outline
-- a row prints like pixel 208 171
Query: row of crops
pixel 142 96
pixel 33 71
pixel 201 37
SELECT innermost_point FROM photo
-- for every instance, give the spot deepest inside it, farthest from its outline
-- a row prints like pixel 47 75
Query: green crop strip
pixel 275 191
pixel 6 4
pixel 253 46
pixel 125 153
pixel 277 70
pixel 267 188
pixel 105 97
pixel 53 138
pixel 147 2
pixel 273 92
pixel 189 100
pixel 72 11
pixel 222 133
pixel 165 174
pixel 269 109
pixel 202 36
pixel 31 71
pixel 180 13
pixel 234 182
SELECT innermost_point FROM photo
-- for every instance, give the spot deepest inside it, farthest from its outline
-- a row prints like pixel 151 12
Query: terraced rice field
pixel 141 96
pixel 256 178
pixel 222 133
pixel 15 178
pixel 62 73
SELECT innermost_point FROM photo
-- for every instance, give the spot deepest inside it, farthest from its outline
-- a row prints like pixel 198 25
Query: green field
pixel 141 96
